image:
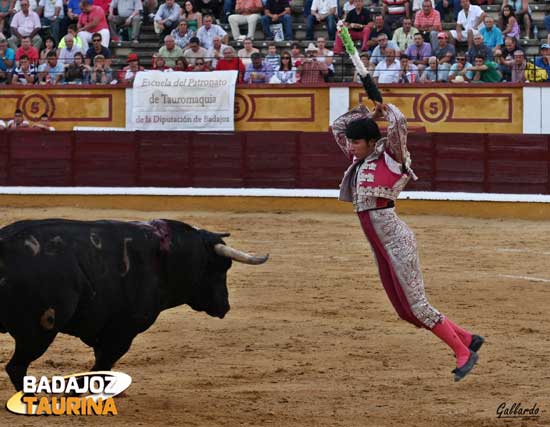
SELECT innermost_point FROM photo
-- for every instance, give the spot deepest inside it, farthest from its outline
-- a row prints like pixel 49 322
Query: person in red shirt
pixel 26 48
pixel 92 20
pixel 231 62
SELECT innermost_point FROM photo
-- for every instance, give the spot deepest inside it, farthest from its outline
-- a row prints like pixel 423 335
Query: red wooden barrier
pixel 444 162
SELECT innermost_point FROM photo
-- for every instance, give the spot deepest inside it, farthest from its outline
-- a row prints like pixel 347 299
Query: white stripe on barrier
pixel 264 192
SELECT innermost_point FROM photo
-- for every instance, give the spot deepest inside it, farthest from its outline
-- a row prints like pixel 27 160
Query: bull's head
pixel 204 265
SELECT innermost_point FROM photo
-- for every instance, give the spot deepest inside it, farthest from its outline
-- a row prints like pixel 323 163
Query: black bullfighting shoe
pixel 466 368
pixel 477 342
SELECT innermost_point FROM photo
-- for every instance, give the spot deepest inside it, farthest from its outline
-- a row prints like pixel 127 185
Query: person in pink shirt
pixel 26 48
pixel 92 20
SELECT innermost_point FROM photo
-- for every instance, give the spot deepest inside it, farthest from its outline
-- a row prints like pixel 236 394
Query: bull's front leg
pixel 112 344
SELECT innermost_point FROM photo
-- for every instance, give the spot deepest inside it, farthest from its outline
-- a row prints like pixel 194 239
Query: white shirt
pixel 387 74
pixel 2 124
pixel 323 6
pixel 468 22
pixel 49 7
pixel 206 35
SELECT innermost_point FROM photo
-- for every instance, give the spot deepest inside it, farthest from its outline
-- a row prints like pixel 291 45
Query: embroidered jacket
pixel 385 172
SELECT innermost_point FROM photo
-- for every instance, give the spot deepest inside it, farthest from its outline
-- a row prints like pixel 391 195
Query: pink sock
pixel 447 334
pixel 463 334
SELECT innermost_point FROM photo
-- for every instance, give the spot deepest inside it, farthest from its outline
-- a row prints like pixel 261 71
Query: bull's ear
pixel 222 235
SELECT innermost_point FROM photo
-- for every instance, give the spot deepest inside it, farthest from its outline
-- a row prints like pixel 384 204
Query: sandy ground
pixel 311 339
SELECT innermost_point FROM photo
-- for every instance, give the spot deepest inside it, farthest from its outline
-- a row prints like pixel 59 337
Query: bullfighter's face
pixel 361 148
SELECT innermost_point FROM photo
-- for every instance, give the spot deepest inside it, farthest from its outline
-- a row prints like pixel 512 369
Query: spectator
pixel 210 7
pixel 326 55
pixel 18 121
pixel 27 49
pixel 91 21
pixel 52 71
pixel 246 12
pixel 419 52
pixel 428 23
pixel 272 57
pixel 159 63
pixel 275 12
pixel 403 37
pixel 73 13
pixel 49 43
pixel 101 73
pixel 103 4
pixel 257 71
pixel 378 29
pixel 33 4
pixel 394 11
pixel 52 14
pixel 2 125
pixel 444 52
pixel 200 65
pixel 349 5
pixel 25 23
pixel 246 52
pixel 485 71
pixel 523 14
pixel 125 14
pixel 7 59
pixel 66 54
pixel 193 18
pixel 543 61
pixel 167 18
pixel 388 71
pixel 228 9
pixel 208 31
pixel 286 72
pixel 311 70
pixel 365 59
pixel 6 12
pixel 359 24
pixel 97 49
pixel 149 10
pixel 129 72
pixel 417 5
pixel 448 9
pixel 408 72
pixel 170 51
pixel 510 46
pixel 322 10
pixel 77 41
pixel 230 61
pixel 469 21
pixel 182 35
pixel 504 64
pixel 296 53
pixel 216 52
pixel 517 67
pixel 77 72
pixel 459 70
pixel 379 52
pixel 44 123
pixel 25 73
pixel 492 36
pixel 435 72
pixel 194 51
pixel 508 22
pixel 181 65
pixel 479 48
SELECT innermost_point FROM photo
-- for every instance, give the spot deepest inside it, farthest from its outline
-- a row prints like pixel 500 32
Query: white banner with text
pixel 183 101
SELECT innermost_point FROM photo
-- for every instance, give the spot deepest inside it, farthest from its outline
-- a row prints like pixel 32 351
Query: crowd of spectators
pixel 67 41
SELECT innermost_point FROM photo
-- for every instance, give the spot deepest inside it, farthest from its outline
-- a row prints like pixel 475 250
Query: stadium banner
pixel 183 101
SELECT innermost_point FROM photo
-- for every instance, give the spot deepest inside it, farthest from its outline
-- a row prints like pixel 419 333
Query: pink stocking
pixel 447 334
pixel 464 335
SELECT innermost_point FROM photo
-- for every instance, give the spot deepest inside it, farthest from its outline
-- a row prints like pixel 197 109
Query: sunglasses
pixel 199 63
pixel 461 59
pixel 96 40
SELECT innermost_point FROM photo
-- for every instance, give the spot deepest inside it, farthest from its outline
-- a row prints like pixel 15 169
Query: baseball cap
pixel 441 35
pixel 132 57
pixel 545 46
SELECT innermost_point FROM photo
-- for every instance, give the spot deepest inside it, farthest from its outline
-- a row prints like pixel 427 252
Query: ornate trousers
pixel 394 247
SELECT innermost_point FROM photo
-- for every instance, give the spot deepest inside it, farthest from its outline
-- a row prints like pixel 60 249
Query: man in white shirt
pixel 469 22
pixel 215 52
pixel 322 10
pixel 388 71
pixel 52 14
pixel 208 31
pixel 25 23
pixel 67 53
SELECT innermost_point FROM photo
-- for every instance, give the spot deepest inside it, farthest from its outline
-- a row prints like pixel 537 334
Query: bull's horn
pixel 239 256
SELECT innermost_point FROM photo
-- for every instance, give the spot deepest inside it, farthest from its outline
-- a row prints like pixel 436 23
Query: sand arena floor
pixel 311 339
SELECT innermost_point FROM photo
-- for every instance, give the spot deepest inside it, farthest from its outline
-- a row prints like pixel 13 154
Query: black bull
pixel 104 282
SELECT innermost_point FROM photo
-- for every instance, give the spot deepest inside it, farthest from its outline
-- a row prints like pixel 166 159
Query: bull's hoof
pixel 477 342
pixel 467 367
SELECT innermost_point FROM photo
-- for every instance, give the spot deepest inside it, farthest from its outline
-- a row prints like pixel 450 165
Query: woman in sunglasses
pixel 286 74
